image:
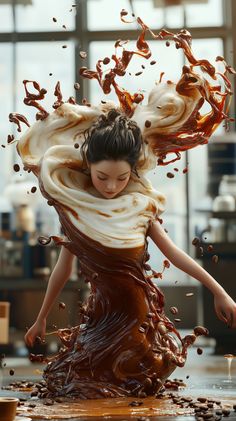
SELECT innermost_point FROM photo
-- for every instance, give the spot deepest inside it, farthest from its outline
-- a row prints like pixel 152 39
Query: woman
pixel 125 345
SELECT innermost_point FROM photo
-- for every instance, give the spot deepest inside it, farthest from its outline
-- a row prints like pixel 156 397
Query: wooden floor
pixel 205 375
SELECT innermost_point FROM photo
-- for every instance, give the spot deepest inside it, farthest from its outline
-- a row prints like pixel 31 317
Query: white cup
pixel 224 203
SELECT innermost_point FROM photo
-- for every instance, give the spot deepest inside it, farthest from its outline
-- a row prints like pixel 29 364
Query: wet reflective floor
pixel 205 376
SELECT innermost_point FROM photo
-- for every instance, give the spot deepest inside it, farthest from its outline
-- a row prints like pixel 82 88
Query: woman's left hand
pixel 225 309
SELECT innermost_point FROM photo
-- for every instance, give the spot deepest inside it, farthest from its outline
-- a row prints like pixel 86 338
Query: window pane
pixel 111 20
pixel 6 18
pixel 197 15
pixel 209 14
pixel 39 15
pixel 174 17
pixel 6 107
pixel 101 16
pixel 35 61
pixel 208 49
pixel 163 56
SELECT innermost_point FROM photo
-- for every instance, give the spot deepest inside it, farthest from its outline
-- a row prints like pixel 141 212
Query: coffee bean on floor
pixel 201 399
pixel 219 412
pixel 135 403
pixel 34 393
pixel 48 402
pixel 226 412
pixel 59 399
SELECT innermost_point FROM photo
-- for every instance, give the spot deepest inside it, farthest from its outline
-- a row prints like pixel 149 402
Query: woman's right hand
pixel 38 329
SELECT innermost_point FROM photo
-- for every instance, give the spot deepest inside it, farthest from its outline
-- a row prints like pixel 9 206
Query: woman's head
pixel 112 149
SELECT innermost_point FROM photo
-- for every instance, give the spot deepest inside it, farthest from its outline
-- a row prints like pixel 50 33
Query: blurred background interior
pixel 200 202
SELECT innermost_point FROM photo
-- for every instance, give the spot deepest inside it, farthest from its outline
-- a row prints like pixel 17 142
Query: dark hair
pixel 113 136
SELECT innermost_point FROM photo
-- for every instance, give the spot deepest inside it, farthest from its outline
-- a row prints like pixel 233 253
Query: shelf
pixel 19 284
pixel 219 215
pixel 223 250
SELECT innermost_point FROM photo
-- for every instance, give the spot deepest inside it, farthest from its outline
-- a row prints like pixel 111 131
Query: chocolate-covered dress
pixel 125 345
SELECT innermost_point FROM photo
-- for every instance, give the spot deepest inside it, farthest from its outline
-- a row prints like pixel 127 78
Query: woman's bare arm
pixel 57 280
pixel 225 307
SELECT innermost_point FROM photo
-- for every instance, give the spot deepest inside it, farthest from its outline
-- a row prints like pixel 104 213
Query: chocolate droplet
pixel 16 168
pixel 106 60
pixel 195 241
pixel 174 310
pixel 43 240
pixel 83 54
pixel 210 248
pixel 148 123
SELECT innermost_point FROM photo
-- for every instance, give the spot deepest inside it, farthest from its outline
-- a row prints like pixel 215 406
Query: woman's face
pixel 110 177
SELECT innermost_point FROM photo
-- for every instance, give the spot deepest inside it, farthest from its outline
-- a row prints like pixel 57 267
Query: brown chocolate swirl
pixel 124 337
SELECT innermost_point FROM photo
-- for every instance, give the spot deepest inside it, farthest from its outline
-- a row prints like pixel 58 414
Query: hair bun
pixel 112 115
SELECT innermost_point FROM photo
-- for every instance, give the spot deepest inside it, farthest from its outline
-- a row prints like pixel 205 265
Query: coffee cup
pixel 224 203
pixel 8 408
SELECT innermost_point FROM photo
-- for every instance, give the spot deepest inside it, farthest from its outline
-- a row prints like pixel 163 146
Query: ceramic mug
pixel 224 203
pixel 8 408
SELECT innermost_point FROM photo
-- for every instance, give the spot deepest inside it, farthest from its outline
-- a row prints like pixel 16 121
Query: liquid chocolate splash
pixel 58 94
pixel 198 128
pixel 124 345
pixel 17 119
pixel 32 99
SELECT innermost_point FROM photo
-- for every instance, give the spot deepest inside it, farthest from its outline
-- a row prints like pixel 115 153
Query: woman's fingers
pixel 28 340
pixel 221 315
pixel 232 320
pixel 226 310
pixel 229 318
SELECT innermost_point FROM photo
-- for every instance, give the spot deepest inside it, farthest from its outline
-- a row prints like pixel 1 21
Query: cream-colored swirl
pixel 121 222
pixel 48 148
pixel 64 126
pixel 167 110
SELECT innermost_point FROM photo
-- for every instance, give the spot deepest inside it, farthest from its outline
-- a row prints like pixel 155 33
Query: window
pixel 41 28
pixel 43 15
pixel 194 15
pixel 42 59
pixel 6 105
